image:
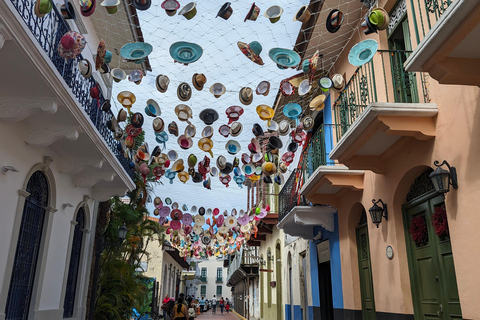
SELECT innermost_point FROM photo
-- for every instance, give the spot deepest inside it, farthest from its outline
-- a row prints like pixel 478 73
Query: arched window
pixel 69 301
pixel 28 247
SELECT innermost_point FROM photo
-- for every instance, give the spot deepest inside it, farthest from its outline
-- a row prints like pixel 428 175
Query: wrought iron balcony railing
pixel 289 197
pixel 219 280
pixel 425 12
pixel 369 83
pixel 203 278
pixel 48 31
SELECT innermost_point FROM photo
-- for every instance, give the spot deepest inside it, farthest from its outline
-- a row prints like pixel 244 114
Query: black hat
pixel 334 21
pixel 208 116
pixel 201 211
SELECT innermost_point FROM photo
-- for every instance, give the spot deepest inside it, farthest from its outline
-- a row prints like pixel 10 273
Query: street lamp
pixel 377 212
pixel 442 179
pixel 122 233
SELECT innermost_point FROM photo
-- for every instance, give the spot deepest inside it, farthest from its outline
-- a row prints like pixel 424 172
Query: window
pixel 219 291
pixel 219 272
pixel 203 290
pixel 204 272
pixel 69 302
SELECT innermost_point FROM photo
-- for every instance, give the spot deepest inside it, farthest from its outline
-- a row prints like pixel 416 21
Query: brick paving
pixel 209 315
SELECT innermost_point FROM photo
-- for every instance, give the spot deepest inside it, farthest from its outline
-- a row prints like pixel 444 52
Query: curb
pixel 235 313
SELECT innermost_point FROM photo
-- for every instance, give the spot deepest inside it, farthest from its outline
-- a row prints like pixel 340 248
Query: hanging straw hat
pixel 317 104
pixel 252 51
pixel 246 95
pixel 217 89
pixel 265 112
pixel 263 88
pixel 198 81
pixel 274 13
pixel 162 83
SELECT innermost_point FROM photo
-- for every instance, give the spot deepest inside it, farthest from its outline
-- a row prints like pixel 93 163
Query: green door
pixel 364 266
pixel 431 266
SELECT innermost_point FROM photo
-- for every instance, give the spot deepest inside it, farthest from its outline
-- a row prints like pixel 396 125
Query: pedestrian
pixel 191 310
pixel 180 311
pixel 214 304
pixel 221 303
pixel 202 304
pixel 165 301
pixel 227 305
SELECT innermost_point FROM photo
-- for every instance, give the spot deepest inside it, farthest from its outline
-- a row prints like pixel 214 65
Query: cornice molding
pixel 89 180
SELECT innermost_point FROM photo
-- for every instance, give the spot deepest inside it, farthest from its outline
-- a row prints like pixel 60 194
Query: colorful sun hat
pixel 87 7
pixel 325 83
pixel 263 88
pixel 162 83
pixel 265 112
pixel 317 104
pixel 284 58
pixel 225 180
pixel 185 52
pixel 198 81
pixel 233 147
pixel 246 95
pixel 292 110
pixel 379 17
pixel 184 91
pixel 225 11
pixel 221 162
pixel 142 4
pixel 252 13
pixel 42 7
pixel 274 13
pixel 136 51
pixel 126 99
pixel 303 15
pixel 135 76
pixel 173 128
pixel 185 142
pixel 252 51
pixel 207 132
pixel 183 112
pixel 71 45
pixel 208 116
pixel 217 89
pixel 67 9
pixel 152 109
pixel 235 129
pixel 206 144
pixel 334 20
pixel 170 175
pixel 283 127
pixel 101 52
pixel 286 88
pixel 111 5
pixel 85 68
pixel 254 146
pixel 118 74
pixel 224 130
pixel 362 52
pixel 171 7
pixel 338 83
pixel 158 124
pixel 189 11
pixel 257 130
pixel 190 131
pixel 367 27
pixel 304 87
pixel 233 113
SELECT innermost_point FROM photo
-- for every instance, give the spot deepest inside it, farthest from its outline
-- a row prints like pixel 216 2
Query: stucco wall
pixel 212 264
pixel 49 290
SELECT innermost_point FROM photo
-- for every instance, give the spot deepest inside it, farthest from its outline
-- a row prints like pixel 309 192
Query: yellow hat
pixel 265 112
pixel 317 104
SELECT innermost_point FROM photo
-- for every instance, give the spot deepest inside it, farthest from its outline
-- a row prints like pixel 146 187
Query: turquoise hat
pixel 161 137
pixel 292 110
pixel 136 51
pixel 169 174
pixel 108 56
pixel 305 65
pixel 185 52
pixel 362 52
pixel 284 58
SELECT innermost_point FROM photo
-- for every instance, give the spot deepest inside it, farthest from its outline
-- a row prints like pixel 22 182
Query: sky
pixel 223 62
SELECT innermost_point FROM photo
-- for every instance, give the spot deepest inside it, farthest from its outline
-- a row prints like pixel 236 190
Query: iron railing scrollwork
pixel 48 31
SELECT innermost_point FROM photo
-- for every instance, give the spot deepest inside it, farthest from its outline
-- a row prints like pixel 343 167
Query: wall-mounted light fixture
pixel 270 256
pixel 66 205
pixel 377 212
pixel 443 179
pixel 262 262
pixel 5 169
pixel 122 233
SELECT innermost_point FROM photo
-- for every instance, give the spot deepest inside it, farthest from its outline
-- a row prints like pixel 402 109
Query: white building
pixel 213 280
pixel 59 160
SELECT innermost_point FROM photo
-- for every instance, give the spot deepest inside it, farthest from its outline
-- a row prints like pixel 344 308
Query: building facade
pixel 213 280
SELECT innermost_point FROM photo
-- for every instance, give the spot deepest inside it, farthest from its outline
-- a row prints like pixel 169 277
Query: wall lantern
pixel 122 233
pixel 262 262
pixel 377 212
pixel 273 284
pixel 270 256
pixel 442 179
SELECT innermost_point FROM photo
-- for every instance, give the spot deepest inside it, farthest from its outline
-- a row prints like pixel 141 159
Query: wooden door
pixel 431 266
pixel 364 266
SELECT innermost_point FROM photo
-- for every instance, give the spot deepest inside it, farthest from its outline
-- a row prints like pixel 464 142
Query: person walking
pixel 165 306
pixel 180 311
pixel 221 303
pixel 191 309
pixel 201 302
pixel 214 304
pixel 227 305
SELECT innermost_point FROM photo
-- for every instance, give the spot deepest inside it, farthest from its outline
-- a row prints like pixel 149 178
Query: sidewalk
pixel 208 315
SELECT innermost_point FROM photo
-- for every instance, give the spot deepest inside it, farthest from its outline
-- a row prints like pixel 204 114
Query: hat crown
pixel 256 47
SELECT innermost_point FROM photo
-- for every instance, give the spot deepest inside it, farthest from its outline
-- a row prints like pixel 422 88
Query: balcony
pixel 244 264
pixel 219 280
pixel 71 113
pixel 449 49
pixel 203 279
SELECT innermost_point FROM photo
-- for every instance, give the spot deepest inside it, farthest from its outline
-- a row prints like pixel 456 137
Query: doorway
pixel 325 285
pixel 430 259
pixel 365 269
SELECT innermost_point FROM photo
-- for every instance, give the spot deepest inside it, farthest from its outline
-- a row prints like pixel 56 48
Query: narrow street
pixel 209 315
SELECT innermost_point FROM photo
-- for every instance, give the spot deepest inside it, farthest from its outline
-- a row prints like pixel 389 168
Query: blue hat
pixel 306 65
pixel 136 51
pixel 185 52
pixel 292 110
pixel 108 56
pixel 362 52
pixel 284 58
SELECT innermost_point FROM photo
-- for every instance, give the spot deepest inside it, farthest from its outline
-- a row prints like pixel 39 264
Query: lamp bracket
pixel 385 212
pixel 452 170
